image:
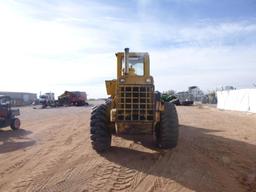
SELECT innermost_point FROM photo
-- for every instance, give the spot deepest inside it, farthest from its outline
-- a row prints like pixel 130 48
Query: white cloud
pixel 208 68
pixel 57 47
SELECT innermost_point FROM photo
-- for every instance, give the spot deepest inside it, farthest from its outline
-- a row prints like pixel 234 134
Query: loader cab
pixel 137 64
pixel 133 68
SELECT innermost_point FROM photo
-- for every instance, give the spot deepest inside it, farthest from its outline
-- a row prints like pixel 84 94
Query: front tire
pixel 15 124
pixel 167 132
pixel 100 131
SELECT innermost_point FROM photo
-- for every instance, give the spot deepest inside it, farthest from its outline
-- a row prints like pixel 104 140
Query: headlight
pixel 122 80
pixel 148 80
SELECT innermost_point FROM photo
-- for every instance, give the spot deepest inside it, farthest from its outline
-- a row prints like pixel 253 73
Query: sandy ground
pixel 52 152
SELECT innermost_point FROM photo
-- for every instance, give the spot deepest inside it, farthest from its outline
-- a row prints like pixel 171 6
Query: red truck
pixel 75 98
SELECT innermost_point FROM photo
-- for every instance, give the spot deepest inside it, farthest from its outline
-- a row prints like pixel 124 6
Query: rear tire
pixel 15 124
pixel 100 131
pixel 167 132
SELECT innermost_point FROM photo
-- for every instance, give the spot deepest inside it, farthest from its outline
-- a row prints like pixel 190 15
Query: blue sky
pixel 70 45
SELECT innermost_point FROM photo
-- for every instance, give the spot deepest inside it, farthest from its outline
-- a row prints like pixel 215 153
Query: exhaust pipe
pixel 126 57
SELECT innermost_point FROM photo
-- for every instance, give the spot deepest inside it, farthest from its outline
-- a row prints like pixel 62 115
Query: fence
pixel 237 100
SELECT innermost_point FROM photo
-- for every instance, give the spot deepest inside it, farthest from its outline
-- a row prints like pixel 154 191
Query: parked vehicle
pixel 75 98
pixel 7 114
pixel 134 107
pixel 185 98
pixel 47 99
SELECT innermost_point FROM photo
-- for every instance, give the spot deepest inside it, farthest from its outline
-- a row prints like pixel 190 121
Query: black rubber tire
pixel 167 132
pixel 100 131
pixel 15 124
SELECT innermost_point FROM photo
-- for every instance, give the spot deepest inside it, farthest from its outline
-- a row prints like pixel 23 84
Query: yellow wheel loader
pixel 134 107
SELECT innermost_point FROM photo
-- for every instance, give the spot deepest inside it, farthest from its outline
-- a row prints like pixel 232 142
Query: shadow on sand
pixel 202 161
pixel 13 140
